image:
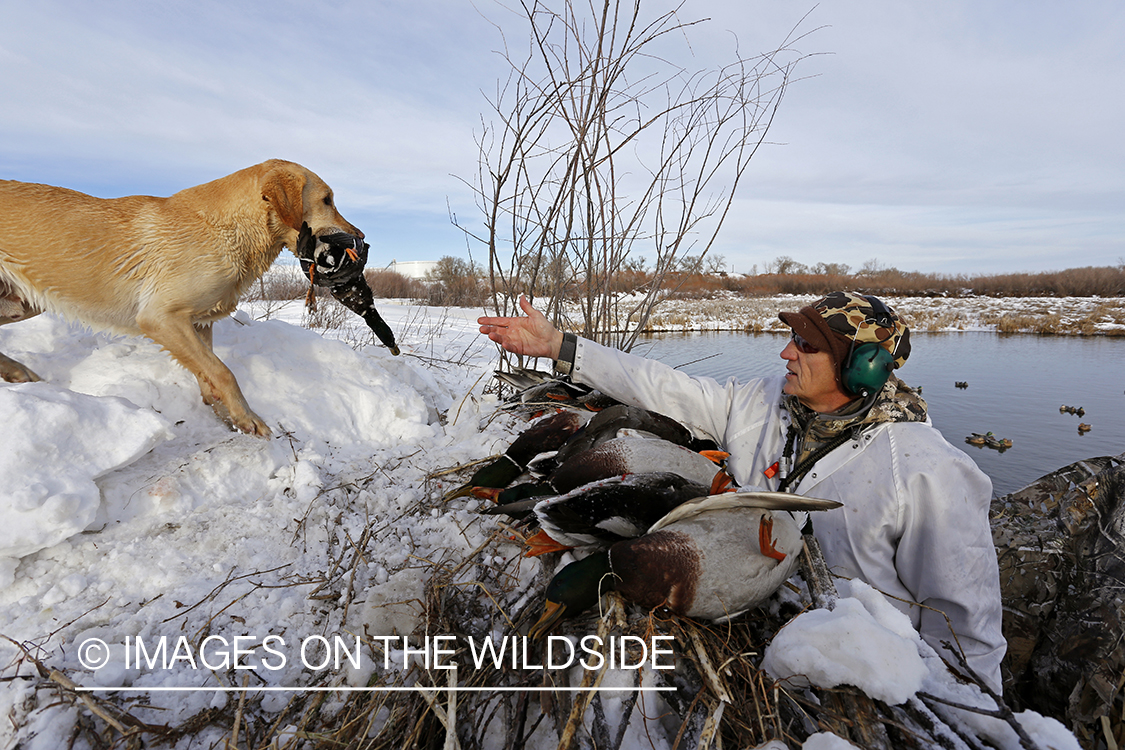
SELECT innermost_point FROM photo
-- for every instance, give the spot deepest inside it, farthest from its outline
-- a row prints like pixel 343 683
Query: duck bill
pixel 553 612
pixel 486 493
pixel 463 491
pixel 716 456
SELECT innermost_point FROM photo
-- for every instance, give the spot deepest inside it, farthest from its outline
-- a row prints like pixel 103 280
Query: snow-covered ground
pixel 131 515
pixel 1064 315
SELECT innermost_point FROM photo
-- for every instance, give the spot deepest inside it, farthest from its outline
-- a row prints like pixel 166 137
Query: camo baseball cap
pixel 833 322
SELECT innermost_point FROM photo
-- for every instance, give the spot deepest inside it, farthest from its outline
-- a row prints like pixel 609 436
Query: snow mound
pixel 57 443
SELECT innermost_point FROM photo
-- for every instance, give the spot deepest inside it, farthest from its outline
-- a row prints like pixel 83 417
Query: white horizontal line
pixel 269 688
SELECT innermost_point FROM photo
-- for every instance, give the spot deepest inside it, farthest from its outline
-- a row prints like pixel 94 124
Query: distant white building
pixel 412 269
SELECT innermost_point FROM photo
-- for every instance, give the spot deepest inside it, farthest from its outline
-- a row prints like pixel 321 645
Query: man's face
pixel 811 377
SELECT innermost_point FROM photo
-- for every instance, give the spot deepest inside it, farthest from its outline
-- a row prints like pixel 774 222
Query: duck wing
pixel 750 499
pixel 548 434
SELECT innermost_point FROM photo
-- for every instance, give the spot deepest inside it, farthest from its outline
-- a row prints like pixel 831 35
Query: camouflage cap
pixel 833 322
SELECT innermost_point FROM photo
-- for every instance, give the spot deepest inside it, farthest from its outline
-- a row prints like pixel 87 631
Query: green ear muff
pixel 867 369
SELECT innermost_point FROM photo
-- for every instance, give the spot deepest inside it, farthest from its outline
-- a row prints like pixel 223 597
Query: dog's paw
pixel 247 421
pixel 252 424
pixel 12 371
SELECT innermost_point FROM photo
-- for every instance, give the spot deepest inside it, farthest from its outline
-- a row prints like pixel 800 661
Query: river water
pixel 1016 384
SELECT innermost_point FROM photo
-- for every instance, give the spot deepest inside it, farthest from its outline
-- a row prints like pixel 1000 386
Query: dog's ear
pixel 282 188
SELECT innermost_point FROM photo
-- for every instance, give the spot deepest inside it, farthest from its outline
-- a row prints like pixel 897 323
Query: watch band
pixel 565 362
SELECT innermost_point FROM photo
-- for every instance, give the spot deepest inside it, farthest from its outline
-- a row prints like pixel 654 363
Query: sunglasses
pixel 804 345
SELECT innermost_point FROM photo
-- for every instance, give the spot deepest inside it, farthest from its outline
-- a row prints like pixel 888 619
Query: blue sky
pixel 956 137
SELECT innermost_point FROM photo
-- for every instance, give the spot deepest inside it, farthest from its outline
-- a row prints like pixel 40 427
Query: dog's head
pixel 297 197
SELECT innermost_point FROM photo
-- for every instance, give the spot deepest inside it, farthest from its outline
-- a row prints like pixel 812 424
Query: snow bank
pixel 328 528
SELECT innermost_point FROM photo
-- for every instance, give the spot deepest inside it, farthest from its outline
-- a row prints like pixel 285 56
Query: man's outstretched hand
pixel 533 336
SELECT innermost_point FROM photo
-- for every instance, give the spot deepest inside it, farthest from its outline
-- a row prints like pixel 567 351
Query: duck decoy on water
pixel 709 558
pixel 989 440
pixel 548 434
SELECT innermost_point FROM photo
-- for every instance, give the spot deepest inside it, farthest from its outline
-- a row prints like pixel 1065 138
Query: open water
pixel 1016 384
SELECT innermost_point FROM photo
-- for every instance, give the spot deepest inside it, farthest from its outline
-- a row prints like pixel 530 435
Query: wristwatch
pixel 565 362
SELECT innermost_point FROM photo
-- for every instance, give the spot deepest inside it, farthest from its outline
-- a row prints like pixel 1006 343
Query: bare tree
pixel 601 144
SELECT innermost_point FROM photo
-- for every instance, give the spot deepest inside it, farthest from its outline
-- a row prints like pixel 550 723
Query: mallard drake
pixel 603 512
pixel 548 434
pixel 609 424
pixel 616 458
pixel 709 558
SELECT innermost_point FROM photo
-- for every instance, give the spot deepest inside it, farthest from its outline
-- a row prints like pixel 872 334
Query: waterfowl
pixel 603 512
pixel 960 384
pixel 1083 427
pixel 977 439
pixel 607 425
pixel 616 458
pixel 709 558
pixel 548 434
pixel 537 390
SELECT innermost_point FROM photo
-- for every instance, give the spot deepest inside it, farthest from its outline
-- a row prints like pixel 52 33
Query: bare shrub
pixel 279 284
pixel 455 282
pixel 393 285
pixel 589 160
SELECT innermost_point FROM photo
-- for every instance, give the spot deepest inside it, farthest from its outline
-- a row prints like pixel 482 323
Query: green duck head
pixel 573 590
pixel 499 473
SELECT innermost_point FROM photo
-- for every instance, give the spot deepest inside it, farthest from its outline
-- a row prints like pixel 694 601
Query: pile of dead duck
pixel 989 440
pixel 645 506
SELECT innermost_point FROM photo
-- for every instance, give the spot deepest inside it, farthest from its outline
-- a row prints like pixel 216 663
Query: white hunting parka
pixel 914 521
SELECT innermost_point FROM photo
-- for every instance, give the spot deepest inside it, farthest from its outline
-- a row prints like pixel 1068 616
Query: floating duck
pixel 1083 427
pixel 960 384
pixel 989 440
pixel 549 433
pixel 710 558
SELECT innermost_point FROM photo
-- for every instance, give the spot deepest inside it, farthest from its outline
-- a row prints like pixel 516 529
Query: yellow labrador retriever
pixel 163 267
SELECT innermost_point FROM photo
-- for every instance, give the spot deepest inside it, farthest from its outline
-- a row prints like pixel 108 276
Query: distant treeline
pixel 456 282
pixel 1090 281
